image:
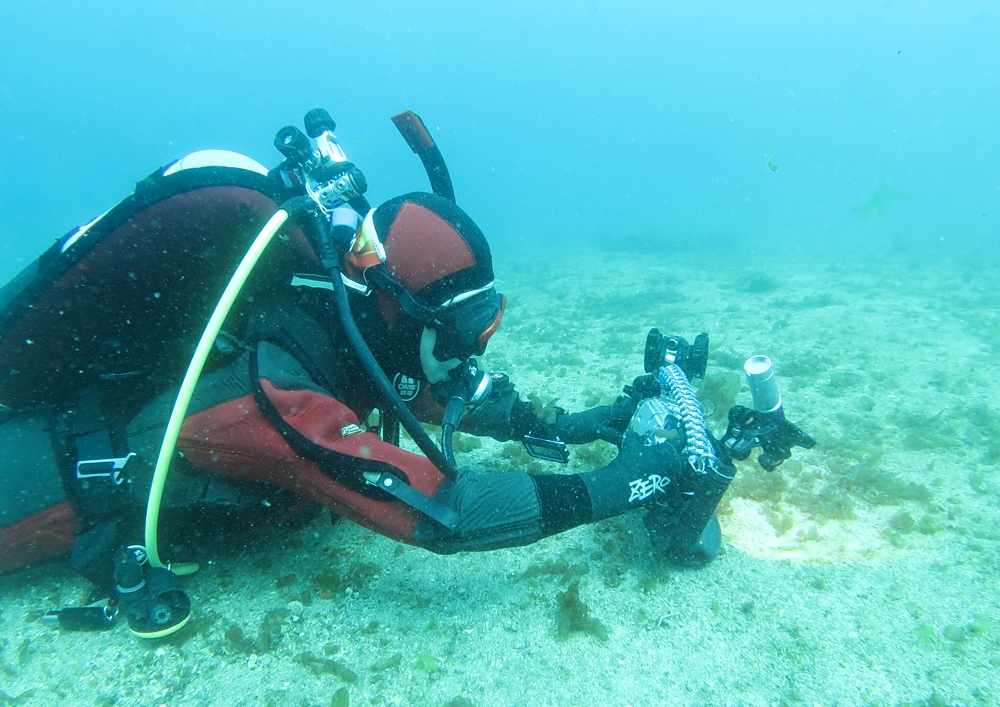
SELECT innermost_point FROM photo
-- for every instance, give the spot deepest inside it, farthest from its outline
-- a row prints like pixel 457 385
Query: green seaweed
pixel 980 625
pixel 390 663
pixel 902 522
pixel 328 582
pixel 955 634
pixel 325 666
pixel 271 629
pixel 234 634
pixel 341 698
pixel 426 662
pixel 560 567
pixel 877 205
pixel 512 457
pixel 781 522
pixel 927 525
pixel 547 411
pixel 17 699
pixel 721 388
pixel 461 443
pixel 925 635
pixel 574 616
pixel 758 283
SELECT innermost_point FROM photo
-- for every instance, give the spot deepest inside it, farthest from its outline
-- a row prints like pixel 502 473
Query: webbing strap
pixel 366 476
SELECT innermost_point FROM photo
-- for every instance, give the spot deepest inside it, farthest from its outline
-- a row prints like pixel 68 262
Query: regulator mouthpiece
pixel 763 384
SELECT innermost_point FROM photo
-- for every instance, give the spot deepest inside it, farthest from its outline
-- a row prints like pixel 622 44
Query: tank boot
pixel 153 601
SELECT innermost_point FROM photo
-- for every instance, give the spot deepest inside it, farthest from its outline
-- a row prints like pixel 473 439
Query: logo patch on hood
pixel 407 387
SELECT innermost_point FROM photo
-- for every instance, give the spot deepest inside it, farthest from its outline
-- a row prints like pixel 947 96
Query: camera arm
pixel 749 428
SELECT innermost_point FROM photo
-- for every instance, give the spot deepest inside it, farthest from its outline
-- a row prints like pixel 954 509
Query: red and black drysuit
pixel 289 410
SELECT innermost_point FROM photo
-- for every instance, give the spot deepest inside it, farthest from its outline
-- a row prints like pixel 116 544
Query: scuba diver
pixel 348 323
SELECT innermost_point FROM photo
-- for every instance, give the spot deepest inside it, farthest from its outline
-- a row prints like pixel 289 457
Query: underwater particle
pixel 771 164
pixel 955 634
pixel 341 698
pixel 427 663
pixel 574 616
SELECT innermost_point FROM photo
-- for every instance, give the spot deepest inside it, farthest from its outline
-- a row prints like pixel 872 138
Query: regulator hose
pixel 194 369
pixel 318 233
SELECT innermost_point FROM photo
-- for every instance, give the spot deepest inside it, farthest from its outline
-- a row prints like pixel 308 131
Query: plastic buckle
pixel 111 468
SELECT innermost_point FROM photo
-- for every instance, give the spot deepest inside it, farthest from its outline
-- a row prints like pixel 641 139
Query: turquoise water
pixel 817 182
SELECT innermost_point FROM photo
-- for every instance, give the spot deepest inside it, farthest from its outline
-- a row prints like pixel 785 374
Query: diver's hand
pixel 664 459
pixel 638 476
pixel 497 417
pixel 586 426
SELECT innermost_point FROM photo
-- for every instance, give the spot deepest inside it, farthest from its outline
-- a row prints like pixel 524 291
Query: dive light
pixel 763 385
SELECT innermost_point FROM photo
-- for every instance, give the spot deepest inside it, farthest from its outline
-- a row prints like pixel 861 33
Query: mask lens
pixel 469 326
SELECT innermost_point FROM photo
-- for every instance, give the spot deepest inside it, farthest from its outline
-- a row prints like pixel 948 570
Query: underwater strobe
pixel 765 426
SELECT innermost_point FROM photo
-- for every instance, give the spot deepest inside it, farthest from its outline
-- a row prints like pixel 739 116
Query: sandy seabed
pixel 864 572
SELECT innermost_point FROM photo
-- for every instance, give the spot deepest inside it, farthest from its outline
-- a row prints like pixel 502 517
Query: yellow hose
pixel 194 370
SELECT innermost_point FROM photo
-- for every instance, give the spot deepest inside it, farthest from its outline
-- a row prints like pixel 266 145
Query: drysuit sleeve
pixel 291 433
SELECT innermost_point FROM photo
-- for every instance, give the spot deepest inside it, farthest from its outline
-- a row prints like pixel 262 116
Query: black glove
pixel 639 475
pixel 503 415
pixel 584 427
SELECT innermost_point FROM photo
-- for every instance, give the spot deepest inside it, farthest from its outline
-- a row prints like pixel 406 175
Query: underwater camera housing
pixel 683 527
